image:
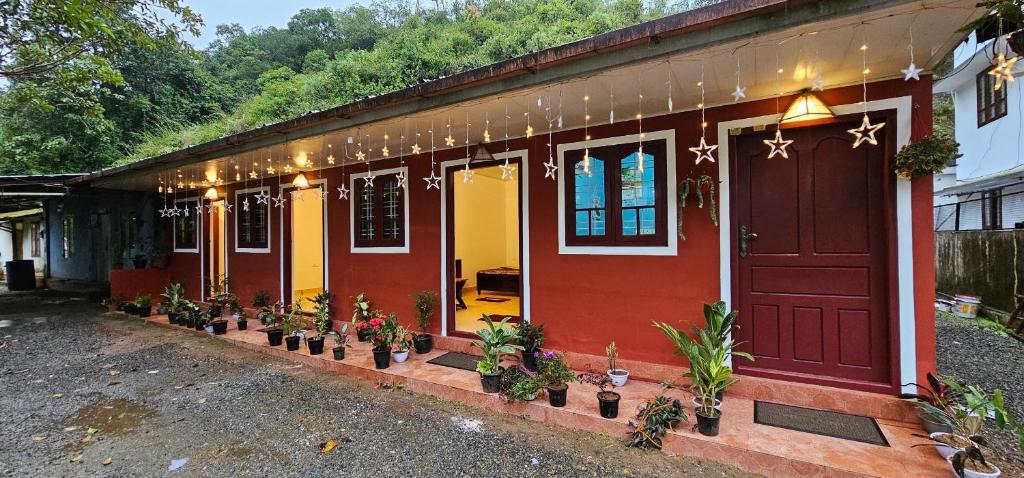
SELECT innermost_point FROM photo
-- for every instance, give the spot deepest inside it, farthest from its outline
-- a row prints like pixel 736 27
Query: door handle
pixel 744 238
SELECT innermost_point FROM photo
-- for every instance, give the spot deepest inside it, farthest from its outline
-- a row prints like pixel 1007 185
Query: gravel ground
pixel 85 394
pixel 983 357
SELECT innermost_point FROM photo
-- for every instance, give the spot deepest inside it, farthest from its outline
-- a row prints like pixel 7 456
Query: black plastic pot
pixel 556 396
pixel 139 263
pixel 609 404
pixel 243 324
pixel 172 318
pixel 220 327
pixel 363 335
pixel 144 311
pixel 275 336
pixel 200 324
pixel 129 309
pixel 315 345
pixel 423 343
pixel 291 343
pixel 708 426
pixel 339 353
pixel 491 383
pixel 530 359
pixel 381 359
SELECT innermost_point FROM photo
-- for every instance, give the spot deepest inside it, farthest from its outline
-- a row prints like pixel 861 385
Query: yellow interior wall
pixel 222 253
pixel 307 245
pixel 486 222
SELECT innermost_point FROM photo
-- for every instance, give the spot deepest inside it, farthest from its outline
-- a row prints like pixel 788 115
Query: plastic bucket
pixel 966 306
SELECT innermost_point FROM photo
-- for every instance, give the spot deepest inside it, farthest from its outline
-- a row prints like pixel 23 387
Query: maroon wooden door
pixel 811 278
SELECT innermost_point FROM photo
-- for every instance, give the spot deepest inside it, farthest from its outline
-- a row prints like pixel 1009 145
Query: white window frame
pixel 352 215
pixel 671 248
pixel 199 227
pixel 252 250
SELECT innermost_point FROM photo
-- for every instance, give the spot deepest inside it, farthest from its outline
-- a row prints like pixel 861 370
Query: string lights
pixel 866 131
pixel 703 150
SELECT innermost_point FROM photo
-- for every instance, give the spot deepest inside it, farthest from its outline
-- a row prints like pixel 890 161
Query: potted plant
pixel 618 376
pixel 139 261
pixel 717 333
pixel 654 419
pixel 143 305
pixel 192 314
pixel 494 341
pixel 425 303
pixel 174 295
pixel 716 377
pixel 965 414
pixel 113 303
pixel 242 318
pixel 607 400
pixel 531 338
pixel 381 335
pixel 321 321
pixel 937 395
pixel 926 156
pixel 340 342
pixel 290 330
pixel 219 326
pixel 401 344
pixel 361 316
pixel 519 384
pixel 266 314
pixel 203 320
pixel 261 299
pixel 554 375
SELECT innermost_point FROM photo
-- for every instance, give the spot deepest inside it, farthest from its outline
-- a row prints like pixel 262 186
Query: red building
pixel 825 252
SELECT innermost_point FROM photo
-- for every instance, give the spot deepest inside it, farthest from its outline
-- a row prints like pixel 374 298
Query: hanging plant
pixel 927 156
pixel 1010 12
pixel 700 186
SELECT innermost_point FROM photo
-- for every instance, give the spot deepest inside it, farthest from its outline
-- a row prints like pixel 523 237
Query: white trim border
pixel 253 250
pixel 174 225
pixel 352 214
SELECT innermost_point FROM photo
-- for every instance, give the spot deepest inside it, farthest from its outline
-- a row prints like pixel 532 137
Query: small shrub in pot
pixel 554 375
pixel 174 298
pixel 531 338
pixel 362 314
pixel 401 344
pixel 381 335
pixel 519 384
pixel 607 399
pixel 495 341
pixel 290 330
pixel 340 341
pixel 618 376
pixel 936 394
pixel 144 306
pixel 321 321
pixel 425 302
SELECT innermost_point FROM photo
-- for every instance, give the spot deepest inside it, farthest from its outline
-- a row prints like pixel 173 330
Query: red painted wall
pixel 583 301
pixel 131 283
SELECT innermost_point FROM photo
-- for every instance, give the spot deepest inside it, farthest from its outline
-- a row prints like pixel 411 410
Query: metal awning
pixel 1009 177
pixel 18 193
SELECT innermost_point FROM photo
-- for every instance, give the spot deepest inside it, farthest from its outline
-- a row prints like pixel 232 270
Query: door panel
pixel 812 288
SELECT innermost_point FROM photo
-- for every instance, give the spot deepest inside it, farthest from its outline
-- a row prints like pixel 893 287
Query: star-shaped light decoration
pixel 229 207
pixel 866 132
pixel 912 72
pixel 778 145
pixel 287 169
pixel 210 207
pixel 360 156
pixel 343 192
pixel 1003 71
pixel 199 209
pixel 468 174
pixel 165 212
pixel 703 151
pixel 280 200
pixel 368 180
pixel 403 181
pixel 385 151
pixel 262 197
pixel 416 149
pixel 487 136
pixel 740 93
pixel 271 170
pixel 330 159
pixel 507 170
pixel 433 181
pixel 253 175
pixel 449 140
pixel 529 131
pixel 245 204
pixel 552 168
pixel 176 211
pixel 323 193
pixel 300 197
pixel 818 83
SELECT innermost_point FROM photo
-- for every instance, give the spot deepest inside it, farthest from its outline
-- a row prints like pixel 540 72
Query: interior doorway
pixel 485 250
pixel 306 262
pixel 216 266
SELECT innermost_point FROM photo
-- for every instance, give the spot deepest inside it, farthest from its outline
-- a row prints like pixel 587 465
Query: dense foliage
pixel 150 94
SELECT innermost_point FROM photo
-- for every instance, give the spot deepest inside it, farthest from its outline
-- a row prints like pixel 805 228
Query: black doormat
pixel 820 422
pixel 456 360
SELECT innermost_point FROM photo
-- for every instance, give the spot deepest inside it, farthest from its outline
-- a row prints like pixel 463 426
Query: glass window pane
pixel 647 221
pixel 637 184
pixel 597 226
pixel 629 222
pixel 589 193
pixel 366 231
pixel 392 213
pixel 582 223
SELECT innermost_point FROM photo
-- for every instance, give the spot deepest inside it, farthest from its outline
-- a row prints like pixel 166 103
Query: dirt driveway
pixel 83 394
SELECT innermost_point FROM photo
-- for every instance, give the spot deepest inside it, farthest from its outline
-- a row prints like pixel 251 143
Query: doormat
pixel 820 422
pixel 456 360
pixel 492 299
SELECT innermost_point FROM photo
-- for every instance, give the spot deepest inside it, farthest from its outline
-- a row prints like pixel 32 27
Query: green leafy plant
pixel 925 157
pixel 261 299
pixel 425 302
pixel 530 336
pixel 322 313
pixel 495 341
pixel 143 300
pixel 553 372
pixel 518 384
pixel 361 309
pixel 382 331
pixel 402 339
pixel 340 336
pixel 1010 13
pixel 236 306
pixel 266 313
pixel 653 420
pixel 288 323
pixel 612 353
pixel 174 295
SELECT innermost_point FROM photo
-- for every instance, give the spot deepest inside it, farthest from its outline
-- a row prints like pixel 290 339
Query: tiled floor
pixel 774 452
pixel 468 319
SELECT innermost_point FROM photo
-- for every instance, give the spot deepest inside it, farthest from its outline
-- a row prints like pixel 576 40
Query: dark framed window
pixel 129 228
pixel 186 226
pixel 992 209
pixel 617 195
pixel 252 227
pixel 380 212
pixel 991 102
pixel 35 239
pixel 67 234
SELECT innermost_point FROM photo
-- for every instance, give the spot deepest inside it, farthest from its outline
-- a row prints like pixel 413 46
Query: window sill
pixel 380 250
pixel 669 250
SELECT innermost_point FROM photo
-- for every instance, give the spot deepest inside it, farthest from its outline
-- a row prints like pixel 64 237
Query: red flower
pixel 376 322
pixel 379 337
pixel 361 325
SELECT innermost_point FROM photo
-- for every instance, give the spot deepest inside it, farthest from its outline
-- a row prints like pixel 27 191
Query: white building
pixel 985 189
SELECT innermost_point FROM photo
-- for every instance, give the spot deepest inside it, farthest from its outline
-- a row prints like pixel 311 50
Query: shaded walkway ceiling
pixel 743 42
